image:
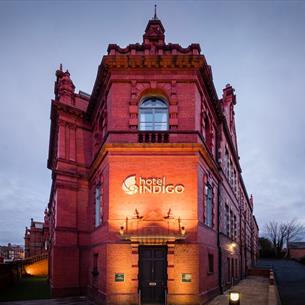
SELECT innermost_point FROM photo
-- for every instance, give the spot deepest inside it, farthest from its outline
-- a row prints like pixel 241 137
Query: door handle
pixel 152 284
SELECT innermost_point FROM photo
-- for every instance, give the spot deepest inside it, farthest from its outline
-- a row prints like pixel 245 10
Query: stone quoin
pixel 147 203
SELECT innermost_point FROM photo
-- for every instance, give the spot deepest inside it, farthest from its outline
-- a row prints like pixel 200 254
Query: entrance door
pixel 152 274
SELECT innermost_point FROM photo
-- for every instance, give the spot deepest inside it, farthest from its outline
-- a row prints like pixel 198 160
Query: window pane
pixel 160 116
pixel 160 126
pixel 97 205
pixel 146 126
pixel 146 116
pixel 208 205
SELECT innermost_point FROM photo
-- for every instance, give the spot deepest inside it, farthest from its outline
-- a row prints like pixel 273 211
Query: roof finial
pixel 155 16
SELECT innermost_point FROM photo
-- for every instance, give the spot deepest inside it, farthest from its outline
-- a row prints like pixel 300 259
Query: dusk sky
pixel 257 47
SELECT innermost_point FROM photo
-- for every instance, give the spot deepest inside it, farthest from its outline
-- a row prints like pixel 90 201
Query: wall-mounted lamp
pixel 121 230
pixel 231 247
pixel 183 230
pixel 234 298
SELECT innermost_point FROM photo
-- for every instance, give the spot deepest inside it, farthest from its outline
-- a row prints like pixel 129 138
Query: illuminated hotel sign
pixel 150 185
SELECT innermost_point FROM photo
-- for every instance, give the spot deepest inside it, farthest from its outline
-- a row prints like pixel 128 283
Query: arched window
pixel 153 114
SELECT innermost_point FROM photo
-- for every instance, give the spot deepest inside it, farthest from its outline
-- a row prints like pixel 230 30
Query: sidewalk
pixel 253 290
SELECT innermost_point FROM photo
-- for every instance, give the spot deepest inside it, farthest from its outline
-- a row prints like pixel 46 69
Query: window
pixel 208 205
pixel 98 206
pixel 235 228
pixel 95 261
pixel 95 265
pixel 232 224
pixel 227 163
pixel 236 268
pixel 211 263
pixel 228 270
pixel 208 133
pixel 153 115
pixel 233 269
pixel 227 220
pixel 231 173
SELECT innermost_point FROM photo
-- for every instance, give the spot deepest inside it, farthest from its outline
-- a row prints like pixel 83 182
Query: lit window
pixel 153 115
pixel 98 205
pixel 208 205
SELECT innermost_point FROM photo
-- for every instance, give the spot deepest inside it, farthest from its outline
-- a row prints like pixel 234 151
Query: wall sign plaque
pixel 119 277
pixel 186 277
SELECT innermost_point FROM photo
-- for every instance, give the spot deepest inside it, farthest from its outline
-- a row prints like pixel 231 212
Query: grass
pixel 27 288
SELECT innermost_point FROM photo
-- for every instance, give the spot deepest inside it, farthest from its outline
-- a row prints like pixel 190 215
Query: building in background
pixel 296 250
pixel 147 199
pixel 36 237
pixel 11 253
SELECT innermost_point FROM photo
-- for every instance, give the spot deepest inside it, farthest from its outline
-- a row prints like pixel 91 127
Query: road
pixel 290 276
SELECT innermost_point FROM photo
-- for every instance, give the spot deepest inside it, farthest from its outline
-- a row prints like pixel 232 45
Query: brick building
pixel 36 237
pixel 147 199
pixel 296 250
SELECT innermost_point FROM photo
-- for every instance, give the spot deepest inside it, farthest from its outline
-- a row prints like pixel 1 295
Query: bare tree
pixel 276 233
pixel 293 230
pixel 282 233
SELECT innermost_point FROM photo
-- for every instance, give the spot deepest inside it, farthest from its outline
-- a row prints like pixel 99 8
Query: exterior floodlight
pixel 234 298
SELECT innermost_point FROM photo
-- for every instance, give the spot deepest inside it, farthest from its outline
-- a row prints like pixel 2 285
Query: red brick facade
pixel 118 189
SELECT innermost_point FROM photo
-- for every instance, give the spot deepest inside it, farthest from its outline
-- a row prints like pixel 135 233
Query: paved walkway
pixel 290 276
pixel 253 291
pixel 62 301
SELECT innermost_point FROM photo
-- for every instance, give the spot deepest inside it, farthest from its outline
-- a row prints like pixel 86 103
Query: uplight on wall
pixel 183 230
pixel 121 230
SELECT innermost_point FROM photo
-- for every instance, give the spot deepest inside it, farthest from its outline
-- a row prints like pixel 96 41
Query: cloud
pixel 19 202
